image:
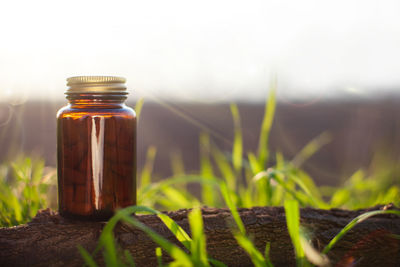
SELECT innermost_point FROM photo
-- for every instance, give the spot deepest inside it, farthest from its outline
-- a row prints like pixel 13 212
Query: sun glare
pixel 222 50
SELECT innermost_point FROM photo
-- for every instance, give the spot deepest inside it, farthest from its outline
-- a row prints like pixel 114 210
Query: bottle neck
pixel 96 100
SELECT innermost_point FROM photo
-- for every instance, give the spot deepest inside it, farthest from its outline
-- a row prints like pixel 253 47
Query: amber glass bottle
pixel 96 149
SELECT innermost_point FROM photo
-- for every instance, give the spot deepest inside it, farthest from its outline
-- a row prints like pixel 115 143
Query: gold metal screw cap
pixel 96 84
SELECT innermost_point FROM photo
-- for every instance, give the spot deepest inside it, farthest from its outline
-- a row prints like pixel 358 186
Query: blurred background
pixel 337 65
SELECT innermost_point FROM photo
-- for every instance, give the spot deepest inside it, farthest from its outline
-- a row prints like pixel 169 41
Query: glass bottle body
pixel 96 156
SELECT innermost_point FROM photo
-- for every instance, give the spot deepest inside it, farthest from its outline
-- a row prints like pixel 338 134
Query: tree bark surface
pixel 51 240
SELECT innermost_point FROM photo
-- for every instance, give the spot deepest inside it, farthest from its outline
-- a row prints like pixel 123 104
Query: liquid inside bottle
pixel 96 151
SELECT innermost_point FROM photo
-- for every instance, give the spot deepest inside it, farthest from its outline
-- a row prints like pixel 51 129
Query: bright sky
pixel 203 50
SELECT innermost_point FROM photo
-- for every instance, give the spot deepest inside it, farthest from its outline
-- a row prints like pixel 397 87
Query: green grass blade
pixel 148 166
pixel 179 233
pixel 206 169
pixel 89 261
pixel 138 108
pixel 280 161
pixel 225 168
pixel 310 185
pixel 313 255
pixel 175 252
pixel 125 215
pixel 266 255
pixel 313 199
pixel 392 196
pixel 292 213
pixel 129 259
pixel 159 256
pixel 15 205
pixel 254 165
pixel 306 198
pixel 255 255
pixel 269 114
pixel 276 176
pixel 176 199
pixel 37 171
pixel 353 223
pixel 237 150
pixel 107 239
pixel 22 191
pixel 198 244
pixel 227 195
pixel 110 250
pixel 177 165
pixel 246 196
pixel 340 197
pixel 216 263
pixel 311 148
pixel 150 191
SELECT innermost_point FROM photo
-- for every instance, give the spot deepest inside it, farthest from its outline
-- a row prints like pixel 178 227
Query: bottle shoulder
pixel 63 110
pixel 70 111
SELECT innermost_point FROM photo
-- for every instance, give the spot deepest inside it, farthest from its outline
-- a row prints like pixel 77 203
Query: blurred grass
pixel 25 187
pixel 293 224
pixel 254 181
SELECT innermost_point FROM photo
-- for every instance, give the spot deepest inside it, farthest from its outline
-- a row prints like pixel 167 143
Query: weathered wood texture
pixel 50 240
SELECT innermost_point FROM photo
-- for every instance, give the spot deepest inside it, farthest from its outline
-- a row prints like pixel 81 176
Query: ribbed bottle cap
pixel 96 84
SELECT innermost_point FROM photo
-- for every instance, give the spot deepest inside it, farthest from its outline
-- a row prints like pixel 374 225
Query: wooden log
pixel 50 240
